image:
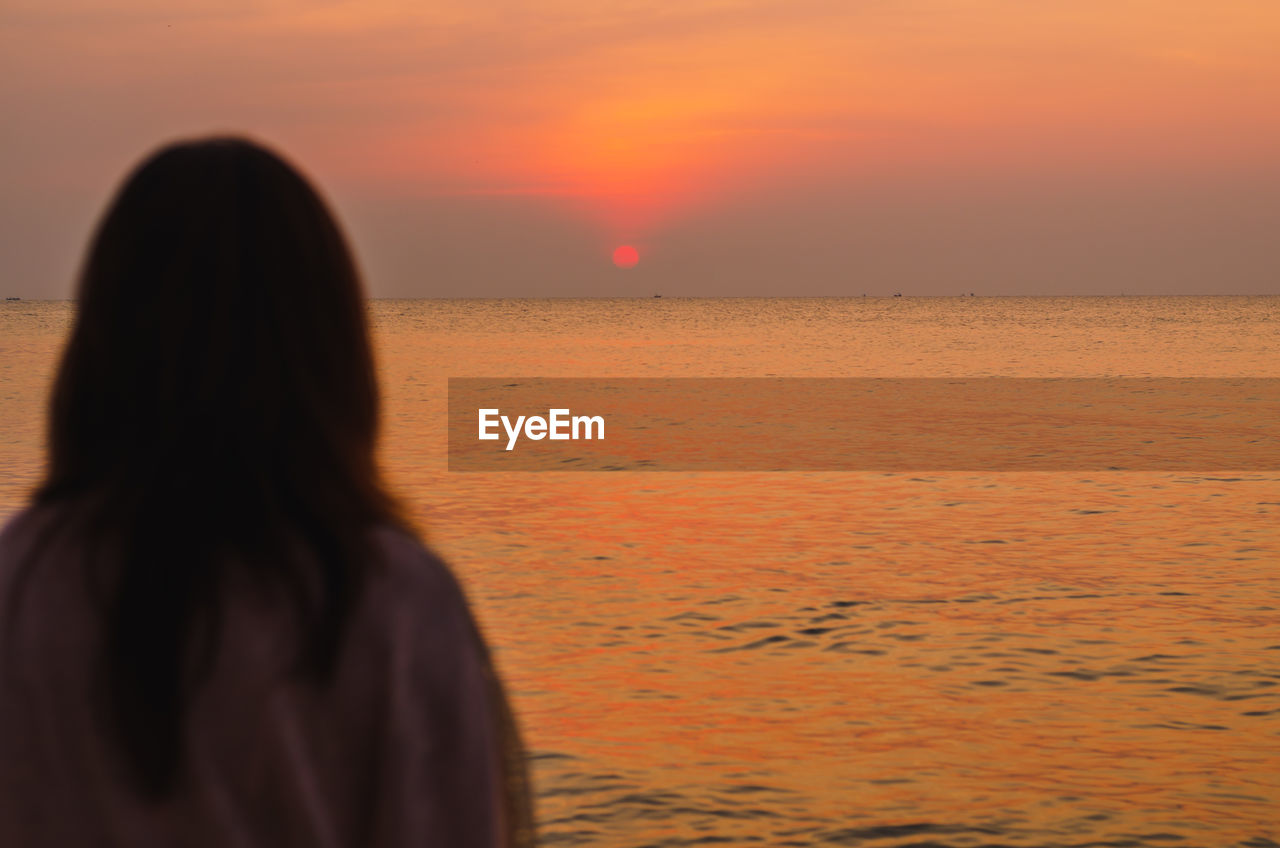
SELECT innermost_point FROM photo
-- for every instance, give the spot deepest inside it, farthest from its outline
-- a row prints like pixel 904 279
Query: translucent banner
pixel 864 424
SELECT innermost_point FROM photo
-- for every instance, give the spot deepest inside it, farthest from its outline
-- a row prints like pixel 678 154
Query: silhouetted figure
pixel 218 629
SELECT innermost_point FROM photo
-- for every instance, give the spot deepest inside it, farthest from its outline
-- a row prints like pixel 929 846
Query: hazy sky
pixel 745 147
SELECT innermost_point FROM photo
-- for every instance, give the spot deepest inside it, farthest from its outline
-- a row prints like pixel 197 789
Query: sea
pixel 844 658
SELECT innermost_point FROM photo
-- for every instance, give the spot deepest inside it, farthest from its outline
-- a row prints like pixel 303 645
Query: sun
pixel 626 256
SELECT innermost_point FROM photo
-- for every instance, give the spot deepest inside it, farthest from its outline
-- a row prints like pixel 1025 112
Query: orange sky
pixel 506 148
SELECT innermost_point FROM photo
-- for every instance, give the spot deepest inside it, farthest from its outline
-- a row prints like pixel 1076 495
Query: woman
pixel 218 629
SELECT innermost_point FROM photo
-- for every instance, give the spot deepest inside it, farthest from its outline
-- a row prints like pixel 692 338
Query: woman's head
pixel 216 404
pixel 221 330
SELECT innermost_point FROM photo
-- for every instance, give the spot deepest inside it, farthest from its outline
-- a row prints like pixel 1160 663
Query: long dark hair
pixel 217 402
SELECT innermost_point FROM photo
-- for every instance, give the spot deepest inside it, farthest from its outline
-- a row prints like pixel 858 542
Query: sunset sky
pixel 745 148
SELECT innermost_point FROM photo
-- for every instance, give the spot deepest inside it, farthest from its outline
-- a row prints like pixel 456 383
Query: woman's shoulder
pixel 23 531
pixel 407 566
pixel 17 528
pixel 40 526
pixel 412 584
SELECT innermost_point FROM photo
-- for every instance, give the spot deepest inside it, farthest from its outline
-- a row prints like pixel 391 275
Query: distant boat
pixel 13 298
pixel 657 295
pixel 897 294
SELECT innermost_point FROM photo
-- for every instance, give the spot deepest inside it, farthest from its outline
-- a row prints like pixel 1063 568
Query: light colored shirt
pixel 401 749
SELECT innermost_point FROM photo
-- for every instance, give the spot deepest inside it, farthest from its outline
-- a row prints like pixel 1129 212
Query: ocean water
pixel 1045 658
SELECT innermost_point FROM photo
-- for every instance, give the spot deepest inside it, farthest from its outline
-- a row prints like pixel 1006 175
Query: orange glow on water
pixel 1093 650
